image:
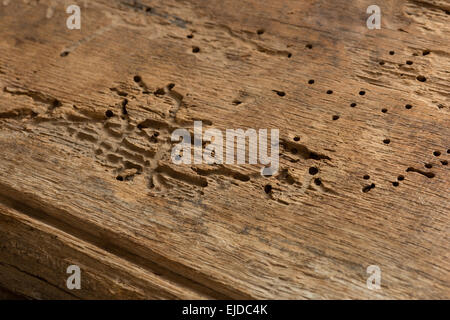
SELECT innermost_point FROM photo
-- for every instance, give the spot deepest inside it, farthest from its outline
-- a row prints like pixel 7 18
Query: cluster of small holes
pixel 427 165
pixel 314 170
pixel 383 110
pixel 420 78
pixel 386 141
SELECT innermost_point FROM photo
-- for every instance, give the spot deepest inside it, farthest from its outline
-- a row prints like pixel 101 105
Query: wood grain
pixel 86 176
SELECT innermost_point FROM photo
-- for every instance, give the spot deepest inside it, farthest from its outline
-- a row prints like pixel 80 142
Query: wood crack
pixel 102 239
pixel 39 278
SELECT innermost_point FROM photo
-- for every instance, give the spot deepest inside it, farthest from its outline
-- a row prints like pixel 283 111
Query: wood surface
pixel 81 185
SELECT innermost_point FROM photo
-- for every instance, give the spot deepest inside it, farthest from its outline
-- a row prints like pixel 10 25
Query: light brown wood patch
pixel 86 176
